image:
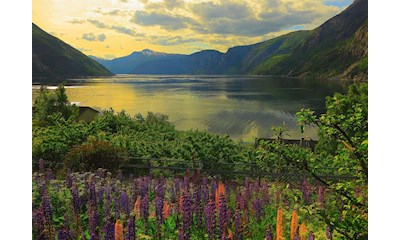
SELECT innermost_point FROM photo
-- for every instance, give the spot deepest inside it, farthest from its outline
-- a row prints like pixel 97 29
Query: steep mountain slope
pixel 56 60
pixel 330 50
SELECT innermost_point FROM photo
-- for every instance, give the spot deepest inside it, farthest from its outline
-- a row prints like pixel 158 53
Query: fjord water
pixel 244 107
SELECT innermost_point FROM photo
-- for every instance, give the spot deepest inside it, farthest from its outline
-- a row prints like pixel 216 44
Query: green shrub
pixel 95 154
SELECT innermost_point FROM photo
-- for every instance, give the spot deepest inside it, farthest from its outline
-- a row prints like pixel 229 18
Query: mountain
pixel 336 49
pixel 53 59
pixel 127 64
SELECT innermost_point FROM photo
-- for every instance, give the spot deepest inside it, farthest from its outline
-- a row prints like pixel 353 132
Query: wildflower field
pixel 75 197
pixel 100 205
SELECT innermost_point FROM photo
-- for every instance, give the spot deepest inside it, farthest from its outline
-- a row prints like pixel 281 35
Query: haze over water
pixel 243 107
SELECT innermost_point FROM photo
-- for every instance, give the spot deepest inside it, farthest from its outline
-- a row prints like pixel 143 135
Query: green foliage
pixel 150 136
pixel 54 59
pixel 49 107
pixel 94 154
pixel 343 133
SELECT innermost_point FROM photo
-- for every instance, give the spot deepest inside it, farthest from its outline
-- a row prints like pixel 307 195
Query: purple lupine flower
pixel 46 208
pixel 39 225
pixel 186 215
pixel 306 191
pixel 125 203
pixel 328 233
pixel 240 200
pixel 69 180
pixel 117 207
pixel 321 195
pixel 268 233
pixel 223 218
pixel 209 218
pixel 247 189
pixel 144 208
pixel 238 223
pixel 197 208
pixel 93 221
pixel 49 175
pixel 66 220
pixel 177 187
pixel 143 187
pixel 63 234
pixel 41 165
pixel 159 205
pixel 257 207
pixel 76 201
pixel 131 229
pixel 109 230
pixel 92 193
pixel 214 186
pixel 186 183
pixel 204 190
pixel 311 236
pixel 256 185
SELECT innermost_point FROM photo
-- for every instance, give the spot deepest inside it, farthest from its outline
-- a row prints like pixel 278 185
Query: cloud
pixel 165 21
pixel 232 17
pixel 172 41
pixel 77 21
pixel 97 23
pixel 91 37
pixel 113 12
pixel 123 30
pixel 116 28
pixel 228 10
pixel 101 37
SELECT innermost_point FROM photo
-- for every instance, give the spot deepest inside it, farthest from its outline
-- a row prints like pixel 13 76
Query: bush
pixel 95 154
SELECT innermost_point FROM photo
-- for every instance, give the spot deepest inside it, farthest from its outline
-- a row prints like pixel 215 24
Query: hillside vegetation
pixel 54 59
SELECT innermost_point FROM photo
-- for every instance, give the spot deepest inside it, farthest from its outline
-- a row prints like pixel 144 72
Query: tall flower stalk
pixel 119 230
pixel 279 225
pixel 209 219
pixel 294 224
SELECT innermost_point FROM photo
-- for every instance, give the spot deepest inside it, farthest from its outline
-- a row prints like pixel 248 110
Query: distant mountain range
pixel 336 49
pixel 53 59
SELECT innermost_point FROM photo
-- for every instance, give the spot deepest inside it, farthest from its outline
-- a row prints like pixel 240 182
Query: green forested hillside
pixel 55 60
pixel 338 48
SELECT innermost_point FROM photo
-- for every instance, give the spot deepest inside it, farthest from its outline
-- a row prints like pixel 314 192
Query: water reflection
pixel 243 107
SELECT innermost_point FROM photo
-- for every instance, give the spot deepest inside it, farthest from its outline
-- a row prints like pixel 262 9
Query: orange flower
pixel 218 192
pixel 166 210
pixel 279 225
pixel 303 232
pixel 230 235
pixel 136 209
pixel 152 214
pixel 294 225
pixel 119 235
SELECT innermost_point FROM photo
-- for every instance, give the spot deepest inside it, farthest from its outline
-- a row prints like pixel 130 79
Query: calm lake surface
pixel 243 107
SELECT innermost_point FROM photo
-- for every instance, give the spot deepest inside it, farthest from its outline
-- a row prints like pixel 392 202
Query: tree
pixel 53 105
pixel 343 143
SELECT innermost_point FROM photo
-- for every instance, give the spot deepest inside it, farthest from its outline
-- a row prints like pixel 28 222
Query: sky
pixel 116 28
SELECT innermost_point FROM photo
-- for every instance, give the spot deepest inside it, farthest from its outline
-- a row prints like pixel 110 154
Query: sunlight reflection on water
pixel 243 107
